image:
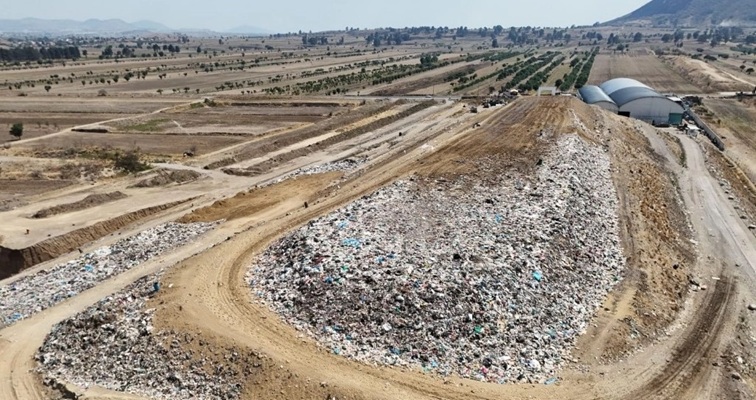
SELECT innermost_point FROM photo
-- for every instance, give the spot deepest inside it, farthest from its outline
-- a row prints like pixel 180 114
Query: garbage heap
pixel 490 280
pixel 113 345
pixel 346 165
pixel 34 293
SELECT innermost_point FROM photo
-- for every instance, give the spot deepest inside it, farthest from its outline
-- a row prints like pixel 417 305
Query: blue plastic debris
pixel 351 242
pixel 550 381
pixel 88 268
pixel 342 224
pixel 156 286
pixel 537 276
pixel 498 218
pixel 328 279
pixel 395 351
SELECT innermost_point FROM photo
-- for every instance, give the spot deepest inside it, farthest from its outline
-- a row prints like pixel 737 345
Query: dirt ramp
pixel 13 261
pixel 88 202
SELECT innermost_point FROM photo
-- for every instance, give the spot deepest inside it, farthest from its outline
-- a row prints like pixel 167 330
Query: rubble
pixel 34 293
pixel 345 165
pixel 113 345
pixel 489 280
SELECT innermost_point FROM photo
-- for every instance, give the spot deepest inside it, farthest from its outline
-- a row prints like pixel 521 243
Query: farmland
pixel 639 65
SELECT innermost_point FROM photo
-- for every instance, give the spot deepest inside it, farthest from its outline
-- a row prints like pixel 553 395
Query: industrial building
pixel 631 98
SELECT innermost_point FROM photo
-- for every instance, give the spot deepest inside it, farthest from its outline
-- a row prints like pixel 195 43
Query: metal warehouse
pixel 631 98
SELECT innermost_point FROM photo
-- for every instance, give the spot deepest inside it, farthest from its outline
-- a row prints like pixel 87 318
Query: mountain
pixel 67 26
pixel 694 13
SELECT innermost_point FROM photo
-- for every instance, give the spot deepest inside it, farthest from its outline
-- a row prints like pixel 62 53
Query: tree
pixel 749 71
pixel 130 162
pixel 47 88
pixel 495 43
pixel 638 37
pixel 160 91
pixel 84 52
pixel 17 130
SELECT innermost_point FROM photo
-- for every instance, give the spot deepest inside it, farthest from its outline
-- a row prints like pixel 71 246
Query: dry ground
pixel 644 67
pixel 661 213
pixel 734 120
pixel 709 75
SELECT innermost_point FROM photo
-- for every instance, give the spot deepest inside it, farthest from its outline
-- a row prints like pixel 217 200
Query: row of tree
pixel 28 53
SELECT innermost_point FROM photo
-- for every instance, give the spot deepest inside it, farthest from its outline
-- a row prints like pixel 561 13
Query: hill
pixel 67 26
pixel 699 13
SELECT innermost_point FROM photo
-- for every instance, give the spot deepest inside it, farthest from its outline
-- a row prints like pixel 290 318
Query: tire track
pixel 688 367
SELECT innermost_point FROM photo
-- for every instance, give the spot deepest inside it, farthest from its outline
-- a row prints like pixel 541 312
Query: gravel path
pixel 488 281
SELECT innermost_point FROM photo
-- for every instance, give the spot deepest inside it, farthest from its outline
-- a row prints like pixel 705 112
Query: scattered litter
pixel 34 293
pixel 113 345
pixel 443 280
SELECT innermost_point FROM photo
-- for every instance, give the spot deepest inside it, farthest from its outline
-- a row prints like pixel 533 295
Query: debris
pixel 426 273
pixel 112 344
pixel 34 293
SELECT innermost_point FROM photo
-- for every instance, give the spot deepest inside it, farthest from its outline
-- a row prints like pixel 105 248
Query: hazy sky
pixel 293 15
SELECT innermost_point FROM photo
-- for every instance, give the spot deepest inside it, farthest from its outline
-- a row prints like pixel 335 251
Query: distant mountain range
pixel 102 27
pixel 694 13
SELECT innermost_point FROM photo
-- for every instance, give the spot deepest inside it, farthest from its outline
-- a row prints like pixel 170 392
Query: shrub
pixel 17 130
pixel 130 162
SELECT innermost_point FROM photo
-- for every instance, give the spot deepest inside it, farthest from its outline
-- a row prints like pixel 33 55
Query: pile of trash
pixel 491 281
pixel 345 165
pixel 113 345
pixel 32 294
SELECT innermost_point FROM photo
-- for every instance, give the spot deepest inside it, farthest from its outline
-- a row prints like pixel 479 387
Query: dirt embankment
pixel 90 201
pixel 13 261
pixel 656 238
pixel 706 76
pixel 267 165
pixel 164 178
pixel 302 188
pixel 270 144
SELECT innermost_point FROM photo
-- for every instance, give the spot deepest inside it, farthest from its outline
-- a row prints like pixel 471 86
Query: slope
pixel 691 13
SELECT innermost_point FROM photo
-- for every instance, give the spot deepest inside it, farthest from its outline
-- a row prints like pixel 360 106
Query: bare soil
pixel 92 200
pixel 146 143
pixel 164 178
pixel 13 261
pixel 644 67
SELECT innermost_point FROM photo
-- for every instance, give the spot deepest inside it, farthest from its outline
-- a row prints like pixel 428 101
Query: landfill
pixel 488 279
pixel 114 345
pixel 34 293
pixel 345 165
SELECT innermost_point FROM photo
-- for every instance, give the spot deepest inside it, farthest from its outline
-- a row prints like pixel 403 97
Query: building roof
pixel 614 85
pixel 593 94
pixel 628 94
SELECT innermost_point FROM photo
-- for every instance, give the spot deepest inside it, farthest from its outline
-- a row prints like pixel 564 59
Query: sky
pixel 313 15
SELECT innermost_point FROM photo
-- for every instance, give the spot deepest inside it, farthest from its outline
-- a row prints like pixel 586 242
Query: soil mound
pixel 164 178
pixel 90 201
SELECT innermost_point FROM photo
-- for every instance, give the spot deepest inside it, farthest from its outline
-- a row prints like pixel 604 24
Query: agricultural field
pixel 642 66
